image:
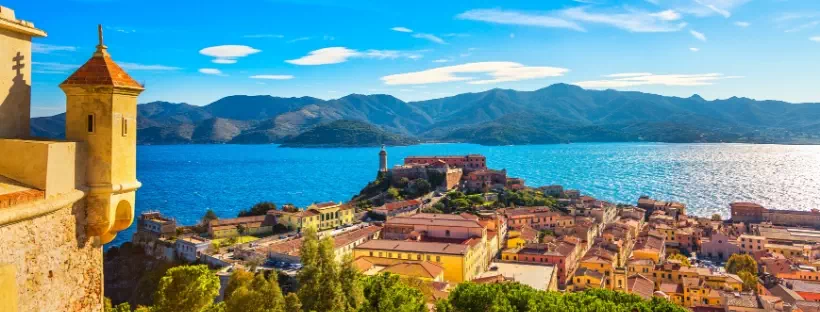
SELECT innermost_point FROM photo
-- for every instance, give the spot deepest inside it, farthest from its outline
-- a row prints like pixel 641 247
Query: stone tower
pixel 101 111
pixel 383 160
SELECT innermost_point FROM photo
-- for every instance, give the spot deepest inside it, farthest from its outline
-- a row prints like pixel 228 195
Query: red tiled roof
pixel 401 204
pixel 424 269
pixel 100 69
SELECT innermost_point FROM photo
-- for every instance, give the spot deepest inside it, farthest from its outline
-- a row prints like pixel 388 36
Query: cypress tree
pixel 350 279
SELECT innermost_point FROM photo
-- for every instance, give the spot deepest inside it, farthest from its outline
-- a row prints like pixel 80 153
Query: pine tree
pixel 292 303
pixel 350 279
pixel 239 278
pixel 188 288
pixel 309 285
pixel 331 297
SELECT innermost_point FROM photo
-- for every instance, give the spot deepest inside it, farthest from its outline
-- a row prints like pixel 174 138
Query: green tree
pixel 261 295
pixel 241 229
pixel 239 278
pixel 741 262
pixel 716 217
pixel 209 216
pixel 460 204
pixel 259 209
pixel 749 280
pixel 394 193
pixel 386 292
pixel 292 303
pixel 310 287
pixel 684 261
pixel 422 186
pixel 187 288
pixel 350 278
pixel 122 307
pixel 331 297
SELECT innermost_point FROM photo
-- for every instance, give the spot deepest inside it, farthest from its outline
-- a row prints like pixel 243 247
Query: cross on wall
pixel 19 66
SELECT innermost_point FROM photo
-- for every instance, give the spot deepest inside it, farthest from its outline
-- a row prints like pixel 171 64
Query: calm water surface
pixel 185 180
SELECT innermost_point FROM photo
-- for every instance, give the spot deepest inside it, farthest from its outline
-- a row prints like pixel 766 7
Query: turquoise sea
pixel 184 181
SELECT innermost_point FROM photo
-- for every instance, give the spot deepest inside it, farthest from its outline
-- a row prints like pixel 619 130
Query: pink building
pixel 751 243
pixel 719 247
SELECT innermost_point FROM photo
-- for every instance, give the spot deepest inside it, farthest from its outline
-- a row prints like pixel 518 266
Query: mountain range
pixel 560 113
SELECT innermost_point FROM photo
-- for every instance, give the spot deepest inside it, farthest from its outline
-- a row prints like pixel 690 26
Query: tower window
pixel 90 123
pixel 125 127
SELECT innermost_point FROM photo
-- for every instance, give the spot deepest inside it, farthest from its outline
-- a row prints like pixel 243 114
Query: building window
pixel 447 233
pixel 90 123
pixel 438 259
pixel 124 126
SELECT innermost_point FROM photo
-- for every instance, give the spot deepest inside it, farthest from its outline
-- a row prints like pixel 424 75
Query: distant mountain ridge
pixel 559 113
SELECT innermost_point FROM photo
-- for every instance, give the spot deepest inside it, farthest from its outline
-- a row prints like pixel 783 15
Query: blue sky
pixel 198 52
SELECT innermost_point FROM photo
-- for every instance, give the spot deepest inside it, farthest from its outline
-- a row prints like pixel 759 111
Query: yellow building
pixel 253 225
pixel 60 201
pixel 321 216
pixel 585 278
pixel 460 261
pixel 521 235
pixel 601 261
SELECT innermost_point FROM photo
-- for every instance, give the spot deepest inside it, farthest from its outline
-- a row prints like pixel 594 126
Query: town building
pixel 753 213
pixel 321 216
pixel 467 163
pixel 190 248
pixel 155 224
pixel 253 225
pixel 397 209
pixel 424 270
pixel 61 201
pixel 537 276
pixel 343 244
pixel 485 179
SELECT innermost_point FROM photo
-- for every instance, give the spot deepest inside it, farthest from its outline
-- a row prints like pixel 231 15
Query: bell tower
pixel 101 111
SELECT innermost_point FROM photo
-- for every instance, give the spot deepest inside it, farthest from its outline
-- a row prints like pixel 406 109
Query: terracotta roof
pixel 744 300
pixel 325 205
pixel 423 269
pixel 419 247
pixel 671 288
pixel 101 70
pixel 401 204
pixel 588 272
pixel 235 221
pixel 436 221
pixel 362 264
pixel 13 193
pixel 641 286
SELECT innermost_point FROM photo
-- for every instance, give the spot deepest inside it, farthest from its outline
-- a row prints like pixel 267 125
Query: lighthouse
pixel 382 160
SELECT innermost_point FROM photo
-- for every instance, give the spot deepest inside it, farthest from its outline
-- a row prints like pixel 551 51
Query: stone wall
pixel 57 267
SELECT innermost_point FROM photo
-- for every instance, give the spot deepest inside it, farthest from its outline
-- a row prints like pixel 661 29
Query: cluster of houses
pixel 580 243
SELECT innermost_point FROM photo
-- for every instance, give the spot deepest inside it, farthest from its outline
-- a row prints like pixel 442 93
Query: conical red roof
pixel 100 69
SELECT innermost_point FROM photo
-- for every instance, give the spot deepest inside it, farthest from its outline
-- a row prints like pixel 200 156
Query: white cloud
pixel 742 24
pixel 211 71
pixel 815 39
pixel 401 29
pixel 335 55
pixel 224 54
pixel 48 48
pixel 804 26
pixel 694 49
pixel 254 36
pixel 298 39
pixel 441 61
pixel 325 56
pixel 135 66
pixel 704 8
pixel 121 29
pixel 668 15
pixel 518 18
pixel 645 79
pixel 698 35
pixel 223 61
pixel 430 37
pixel 272 77
pixel 52 68
pixel 631 20
pixel 498 72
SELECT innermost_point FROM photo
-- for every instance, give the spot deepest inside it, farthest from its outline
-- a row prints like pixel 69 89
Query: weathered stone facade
pixel 58 267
